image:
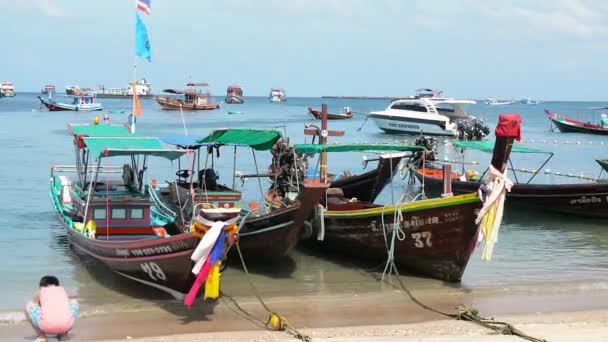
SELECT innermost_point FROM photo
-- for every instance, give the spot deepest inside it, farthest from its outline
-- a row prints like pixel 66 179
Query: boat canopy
pixel 488 146
pixel 100 147
pixel 316 148
pixel 258 139
pixel 100 130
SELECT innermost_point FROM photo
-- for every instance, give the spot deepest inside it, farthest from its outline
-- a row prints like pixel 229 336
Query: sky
pixel 551 50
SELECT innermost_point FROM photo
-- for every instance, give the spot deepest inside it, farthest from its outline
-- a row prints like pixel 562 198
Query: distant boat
pixel 78 103
pixel 277 95
pixel 195 98
pixel 346 113
pixel 234 94
pixel 76 90
pixel 529 101
pixel 143 89
pixel 49 88
pixel 7 89
pixel 566 125
pixel 496 102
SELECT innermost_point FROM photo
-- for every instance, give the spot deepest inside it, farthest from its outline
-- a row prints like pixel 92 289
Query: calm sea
pixel 535 252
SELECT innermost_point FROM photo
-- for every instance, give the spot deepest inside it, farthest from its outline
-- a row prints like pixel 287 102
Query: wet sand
pixel 386 315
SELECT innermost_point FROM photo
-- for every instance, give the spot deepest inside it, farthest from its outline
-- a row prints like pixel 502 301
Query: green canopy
pixel 488 146
pixel 261 140
pixel 99 130
pixel 129 146
pixel 316 148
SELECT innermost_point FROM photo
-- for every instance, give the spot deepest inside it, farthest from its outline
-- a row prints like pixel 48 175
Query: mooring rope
pixel 284 325
pixel 470 315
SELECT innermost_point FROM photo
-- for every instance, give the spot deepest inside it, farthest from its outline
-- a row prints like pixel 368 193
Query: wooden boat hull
pixel 318 115
pixel 439 235
pixel 57 106
pixel 566 125
pixel 168 103
pixel 162 263
pixel 367 186
pixel 589 199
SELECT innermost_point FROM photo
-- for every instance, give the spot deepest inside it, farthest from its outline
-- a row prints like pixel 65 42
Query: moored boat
pixel 567 125
pixel 346 113
pixel 277 95
pixel 430 115
pixel 199 196
pixel 234 94
pixel 195 97
pixel 581 199
pixel 109 216
pixel 48 89
pixel 496 102
pixel 7 89
pixel 143 89
pixel 78 103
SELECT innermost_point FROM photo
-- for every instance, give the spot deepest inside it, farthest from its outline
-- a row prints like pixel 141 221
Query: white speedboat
pixel 423 115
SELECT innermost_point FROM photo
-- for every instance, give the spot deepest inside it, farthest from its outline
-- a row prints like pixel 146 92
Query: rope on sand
pixel 275 320
pixel 471 315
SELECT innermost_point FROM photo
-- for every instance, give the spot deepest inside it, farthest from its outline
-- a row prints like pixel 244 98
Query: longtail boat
pixel 267 235
pixel 108 215
pixel 567 125
pixel 82 103
pixel 195 98
pixel 582 199
pixel 347 113
pixel 432 237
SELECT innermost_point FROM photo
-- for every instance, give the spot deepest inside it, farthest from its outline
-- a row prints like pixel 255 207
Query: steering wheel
pixel 183 173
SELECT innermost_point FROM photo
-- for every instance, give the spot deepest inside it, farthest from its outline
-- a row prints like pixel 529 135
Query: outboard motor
pixel 288 166
pixel 429 154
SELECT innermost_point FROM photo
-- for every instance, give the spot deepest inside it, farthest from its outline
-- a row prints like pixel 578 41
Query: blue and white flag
pixel 144 6
pixel 142 42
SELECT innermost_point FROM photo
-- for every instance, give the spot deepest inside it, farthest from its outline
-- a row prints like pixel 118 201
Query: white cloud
pixel 579 18
pixel 49 8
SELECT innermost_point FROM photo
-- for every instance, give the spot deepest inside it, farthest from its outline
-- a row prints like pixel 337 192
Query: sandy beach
pixel 380 316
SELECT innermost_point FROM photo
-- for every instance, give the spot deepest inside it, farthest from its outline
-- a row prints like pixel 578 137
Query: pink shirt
pixel 55 311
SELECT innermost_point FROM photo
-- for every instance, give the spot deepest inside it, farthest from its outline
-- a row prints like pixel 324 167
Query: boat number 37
pixel 422 239
pixel 153 270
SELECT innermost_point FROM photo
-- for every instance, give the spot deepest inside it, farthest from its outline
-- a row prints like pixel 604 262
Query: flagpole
pixel 134 86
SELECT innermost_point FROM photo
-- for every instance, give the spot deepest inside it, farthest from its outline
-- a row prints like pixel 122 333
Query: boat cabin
pixel 83 99
pixel 449 107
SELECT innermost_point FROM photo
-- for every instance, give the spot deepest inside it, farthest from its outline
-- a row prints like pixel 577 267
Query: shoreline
pixel 388 313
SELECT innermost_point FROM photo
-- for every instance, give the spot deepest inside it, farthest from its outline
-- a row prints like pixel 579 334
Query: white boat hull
pixel 404 125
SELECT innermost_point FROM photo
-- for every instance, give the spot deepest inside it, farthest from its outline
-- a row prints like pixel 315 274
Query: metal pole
pixel 323 140
pixel 255 162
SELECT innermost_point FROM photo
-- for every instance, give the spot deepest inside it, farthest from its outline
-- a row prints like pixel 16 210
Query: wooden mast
pixel 323 133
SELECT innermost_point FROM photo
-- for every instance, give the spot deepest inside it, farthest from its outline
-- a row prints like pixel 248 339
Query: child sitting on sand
pixel 51 312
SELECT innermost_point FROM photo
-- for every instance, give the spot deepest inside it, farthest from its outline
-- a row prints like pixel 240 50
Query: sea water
pixel 535 252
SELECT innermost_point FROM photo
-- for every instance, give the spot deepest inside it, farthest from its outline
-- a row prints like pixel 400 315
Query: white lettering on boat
pixel 416 222
pixel 422 239
pixel 391 124
pixel 122 252
pixel 154 271
pixel 587 200
pixel 151 251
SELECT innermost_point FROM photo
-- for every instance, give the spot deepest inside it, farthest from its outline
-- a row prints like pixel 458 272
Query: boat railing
pixel 90 169
pixel 430 108
pixel 159 204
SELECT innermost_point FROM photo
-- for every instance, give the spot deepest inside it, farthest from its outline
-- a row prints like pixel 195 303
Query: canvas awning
pixel 488 146
pixel 258 139
pixel 129 146
pixel 316 148
pixel 99 130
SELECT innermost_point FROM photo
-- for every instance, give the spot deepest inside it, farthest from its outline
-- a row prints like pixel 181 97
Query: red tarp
pixel 509 125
